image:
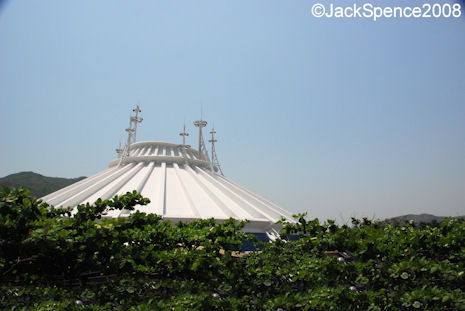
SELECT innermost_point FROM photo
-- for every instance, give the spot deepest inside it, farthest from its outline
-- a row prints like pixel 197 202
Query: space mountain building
pixel 182 184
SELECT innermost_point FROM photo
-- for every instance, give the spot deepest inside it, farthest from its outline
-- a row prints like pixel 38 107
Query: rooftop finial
pixel 203 154
pixel 213 140
pixel 214 156
pixel 133 120
pixel 184 134
pixel 136 119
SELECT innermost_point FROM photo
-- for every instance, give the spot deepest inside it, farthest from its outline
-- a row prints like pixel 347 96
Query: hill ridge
pixel 38 184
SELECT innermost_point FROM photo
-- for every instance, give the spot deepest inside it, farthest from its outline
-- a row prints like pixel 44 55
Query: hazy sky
pixel 338 118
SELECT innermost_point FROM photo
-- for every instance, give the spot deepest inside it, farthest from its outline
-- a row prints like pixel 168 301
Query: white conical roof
pixel 181 186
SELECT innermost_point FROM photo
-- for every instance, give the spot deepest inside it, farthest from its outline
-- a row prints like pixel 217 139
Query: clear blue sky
pixel 338 118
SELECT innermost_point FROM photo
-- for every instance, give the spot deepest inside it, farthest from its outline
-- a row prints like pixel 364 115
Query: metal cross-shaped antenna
pixel 184 134
pixel 136 120
pixel 137 110
pixel 213 140
pixel 214 156
pixel 133 120
pixel 203 154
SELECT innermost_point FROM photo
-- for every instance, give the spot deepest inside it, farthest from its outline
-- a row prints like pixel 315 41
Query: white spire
pixel 214 161
pixel 203 154
pixel 184 134
pixel 136 120
pixel 132 130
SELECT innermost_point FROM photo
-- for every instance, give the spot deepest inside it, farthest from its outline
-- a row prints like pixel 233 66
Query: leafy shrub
pixel 51 259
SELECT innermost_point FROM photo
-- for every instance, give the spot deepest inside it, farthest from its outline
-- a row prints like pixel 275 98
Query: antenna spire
pixel 203 154
pixel 132 130
pixel 214 156
pixel 184 134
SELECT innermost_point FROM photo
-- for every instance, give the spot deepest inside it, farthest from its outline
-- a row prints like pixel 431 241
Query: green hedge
pixel 51 261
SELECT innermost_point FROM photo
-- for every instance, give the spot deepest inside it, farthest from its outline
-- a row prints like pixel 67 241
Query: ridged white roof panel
pixel 180 186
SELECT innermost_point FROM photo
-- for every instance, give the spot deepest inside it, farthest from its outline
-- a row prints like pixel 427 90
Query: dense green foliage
pixel 50 261
pixel 37 184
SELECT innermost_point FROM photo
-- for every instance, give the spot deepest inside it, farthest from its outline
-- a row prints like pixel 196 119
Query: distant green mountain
pixel 38 185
